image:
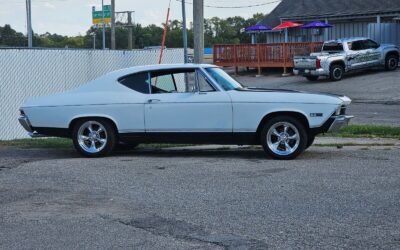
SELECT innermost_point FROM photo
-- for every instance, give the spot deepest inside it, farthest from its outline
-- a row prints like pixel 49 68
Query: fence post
pixel 285 55
pixel 214 53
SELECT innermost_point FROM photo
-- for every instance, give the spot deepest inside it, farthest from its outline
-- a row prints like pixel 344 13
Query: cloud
pixel 49 5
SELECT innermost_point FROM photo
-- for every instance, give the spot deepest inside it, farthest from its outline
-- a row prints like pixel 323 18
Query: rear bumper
pixel 339 122
pixel 310 72
pixel 25 123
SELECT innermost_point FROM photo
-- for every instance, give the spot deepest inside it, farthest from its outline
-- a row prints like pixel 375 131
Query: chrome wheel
pixel 283 138
pixel 92 137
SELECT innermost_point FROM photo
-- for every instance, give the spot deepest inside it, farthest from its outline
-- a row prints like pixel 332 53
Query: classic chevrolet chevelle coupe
pixel 183 103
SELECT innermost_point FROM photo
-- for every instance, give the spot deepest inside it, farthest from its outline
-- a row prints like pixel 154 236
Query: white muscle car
pixel 184 103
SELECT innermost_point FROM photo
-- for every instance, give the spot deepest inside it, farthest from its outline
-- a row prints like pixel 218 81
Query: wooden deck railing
pixel 261 55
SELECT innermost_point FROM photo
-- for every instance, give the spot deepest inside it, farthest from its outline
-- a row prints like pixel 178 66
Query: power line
pixel 235 7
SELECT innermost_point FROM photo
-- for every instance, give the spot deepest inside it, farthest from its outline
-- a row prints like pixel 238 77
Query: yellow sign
pixel 100 20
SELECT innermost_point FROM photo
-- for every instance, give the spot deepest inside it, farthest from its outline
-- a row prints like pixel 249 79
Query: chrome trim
pixel 339 122
pixel 36 135
pixel 24 121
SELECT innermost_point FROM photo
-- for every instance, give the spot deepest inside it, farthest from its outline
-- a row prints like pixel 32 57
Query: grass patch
pixel 352 131
pixel 63 143
pixel 368 131
pixel 39 143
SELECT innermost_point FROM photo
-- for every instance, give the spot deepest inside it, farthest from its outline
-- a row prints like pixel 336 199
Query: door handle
pixel 153 100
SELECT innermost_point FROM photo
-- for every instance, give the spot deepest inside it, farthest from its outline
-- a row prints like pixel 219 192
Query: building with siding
pixel 377 19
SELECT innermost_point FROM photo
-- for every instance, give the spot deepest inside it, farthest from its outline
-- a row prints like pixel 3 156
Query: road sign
pixel 97 16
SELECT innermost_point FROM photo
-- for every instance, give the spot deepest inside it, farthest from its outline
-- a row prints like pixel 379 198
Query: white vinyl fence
pixel 34 72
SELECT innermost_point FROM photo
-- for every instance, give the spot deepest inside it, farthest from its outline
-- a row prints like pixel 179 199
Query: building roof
pixel 328 8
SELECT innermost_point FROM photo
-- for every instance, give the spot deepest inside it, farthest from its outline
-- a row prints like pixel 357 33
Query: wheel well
pixel 74 121
pixel 341 63
pixel 395 53
pixel 302 118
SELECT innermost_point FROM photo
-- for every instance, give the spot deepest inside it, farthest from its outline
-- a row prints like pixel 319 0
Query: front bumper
pixel 311 72
pixel 339 122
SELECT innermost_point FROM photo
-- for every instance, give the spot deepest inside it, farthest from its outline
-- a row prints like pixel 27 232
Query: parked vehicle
pixel 344 55
pixel 183 103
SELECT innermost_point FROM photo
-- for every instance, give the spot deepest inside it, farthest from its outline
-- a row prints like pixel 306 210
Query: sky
pixel 73 17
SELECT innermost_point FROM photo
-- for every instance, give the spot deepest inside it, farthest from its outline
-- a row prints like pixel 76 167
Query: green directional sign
pixel 97 16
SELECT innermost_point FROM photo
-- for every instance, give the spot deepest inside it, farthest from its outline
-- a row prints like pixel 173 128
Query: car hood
pixel 284 95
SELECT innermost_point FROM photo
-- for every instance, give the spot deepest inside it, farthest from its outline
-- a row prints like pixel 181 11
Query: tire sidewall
pixel 387 62
pixel 332 72
pixel 302 132
pixel 111 137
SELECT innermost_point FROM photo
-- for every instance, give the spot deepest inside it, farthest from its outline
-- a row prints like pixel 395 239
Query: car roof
pixel 131 70
pixel 345 40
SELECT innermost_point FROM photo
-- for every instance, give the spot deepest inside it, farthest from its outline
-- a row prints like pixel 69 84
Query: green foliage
pixel 368 131
pixel 216 30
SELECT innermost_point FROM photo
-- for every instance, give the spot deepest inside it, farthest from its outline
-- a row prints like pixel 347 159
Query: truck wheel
pixel 312 78
pixel 310 140
pixel 283 137
pixel 391 62
pixel 94 137
pixel 336 72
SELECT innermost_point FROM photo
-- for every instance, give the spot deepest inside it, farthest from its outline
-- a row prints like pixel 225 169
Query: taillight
pixel 318 63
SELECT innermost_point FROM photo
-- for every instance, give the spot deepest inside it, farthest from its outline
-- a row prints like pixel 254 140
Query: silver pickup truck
pixel 344 55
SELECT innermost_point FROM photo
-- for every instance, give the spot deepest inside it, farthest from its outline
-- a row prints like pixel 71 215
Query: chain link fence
pixel 25 73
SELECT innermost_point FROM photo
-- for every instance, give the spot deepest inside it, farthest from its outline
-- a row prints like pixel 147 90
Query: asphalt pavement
pixel 329 198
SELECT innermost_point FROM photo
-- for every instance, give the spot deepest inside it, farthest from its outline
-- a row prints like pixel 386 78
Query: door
pixel 184 101
pixel 356 55
pixel 373 55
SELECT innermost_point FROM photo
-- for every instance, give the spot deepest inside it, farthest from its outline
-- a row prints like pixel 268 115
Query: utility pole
pixel 198 30
pixel 185 44
pixel 130 31
pixel 113 45
pixel 104 25
pixel 29 22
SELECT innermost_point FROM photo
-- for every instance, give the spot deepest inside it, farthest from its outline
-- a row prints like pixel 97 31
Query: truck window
pixel 357 45
pixel 332 47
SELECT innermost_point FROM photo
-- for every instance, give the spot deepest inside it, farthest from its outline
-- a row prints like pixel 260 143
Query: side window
pixel 357 45
pixel 137 82
pixel 204 85
pixel 173 81
pixel 369 44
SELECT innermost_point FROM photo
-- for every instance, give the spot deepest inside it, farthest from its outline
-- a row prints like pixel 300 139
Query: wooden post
pixel 235 59
pixel 285 57
pixel 258 59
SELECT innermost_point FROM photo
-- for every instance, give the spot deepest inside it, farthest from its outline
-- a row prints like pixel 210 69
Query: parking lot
pixel 329 198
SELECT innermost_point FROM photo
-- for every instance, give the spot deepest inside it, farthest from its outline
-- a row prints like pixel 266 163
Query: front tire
pixel 391 62
pixel 94 137
pixel 284 137
pixel 310 141
pixel 336 72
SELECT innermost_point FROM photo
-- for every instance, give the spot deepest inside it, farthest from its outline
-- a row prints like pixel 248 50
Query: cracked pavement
pixel 329 198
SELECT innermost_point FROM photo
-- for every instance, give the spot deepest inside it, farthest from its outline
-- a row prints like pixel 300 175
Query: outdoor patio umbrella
pixel 258 28
pixel 316 25
pixel 286 26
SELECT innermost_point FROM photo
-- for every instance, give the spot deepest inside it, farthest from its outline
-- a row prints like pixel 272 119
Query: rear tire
pixel 283 137
pixel 312 78
pixel 336 72
pixel 391 62
pixel 94 137
pixel 310 140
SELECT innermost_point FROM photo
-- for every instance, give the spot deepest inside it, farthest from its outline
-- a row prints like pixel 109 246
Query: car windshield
pixel 333 46
pixel 223 79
